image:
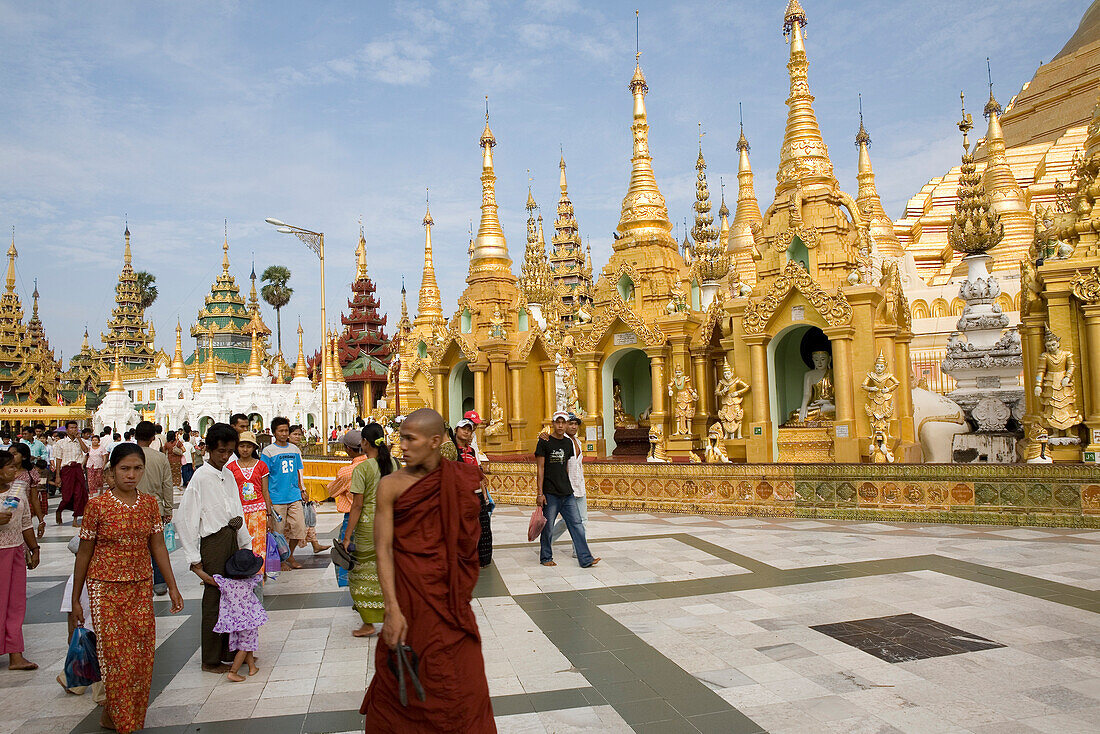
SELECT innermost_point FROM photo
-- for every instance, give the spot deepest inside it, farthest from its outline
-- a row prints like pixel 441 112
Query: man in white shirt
pixel 210 528
pixel 107 439
pixel 69 455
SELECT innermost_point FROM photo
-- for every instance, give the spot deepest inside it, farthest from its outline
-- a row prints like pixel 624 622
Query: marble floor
pixel 689 624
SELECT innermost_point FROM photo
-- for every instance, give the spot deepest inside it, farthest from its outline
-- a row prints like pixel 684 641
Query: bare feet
pixel 290 564
pixel 16 661
pixel 367 630
pixel 235 677
pixel 549 563
pixel 222 668
pixel 318 548
pixel 253 669
pixel 594 562
pixel 106 721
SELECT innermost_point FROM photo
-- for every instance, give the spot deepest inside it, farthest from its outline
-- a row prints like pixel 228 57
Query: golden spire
pixel 254 360
pixel 803 153
pixel 211 374
pixel 326 345
pixel 489 255
pixel 12 254
pixel 644 205
pixel 126 257
pixel 116 377
pixel 703 232
pixel 253 298
pixel 337 369
pixel 34 297
pixel 868 202
pixel 84 345
pixel 429 309
pixel 300 366
pixel 1004 191
pixel 975 227
pixel 225 250
pixel 745 216
pixel 196 383
pixel 535 280
pixel 178 369
pixel 361 255
pixel 724 221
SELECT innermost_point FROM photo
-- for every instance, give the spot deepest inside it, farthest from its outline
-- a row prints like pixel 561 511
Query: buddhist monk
pixel 426 530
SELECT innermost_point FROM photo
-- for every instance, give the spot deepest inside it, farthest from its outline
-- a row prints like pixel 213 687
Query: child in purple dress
pixel 240 613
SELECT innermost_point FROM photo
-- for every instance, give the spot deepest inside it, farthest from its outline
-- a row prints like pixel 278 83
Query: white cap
pixel 560 414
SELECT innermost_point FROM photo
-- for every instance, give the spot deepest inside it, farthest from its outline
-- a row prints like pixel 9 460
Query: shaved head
pixel 426 422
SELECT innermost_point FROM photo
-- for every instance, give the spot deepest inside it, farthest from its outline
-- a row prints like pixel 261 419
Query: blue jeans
pixel 567 508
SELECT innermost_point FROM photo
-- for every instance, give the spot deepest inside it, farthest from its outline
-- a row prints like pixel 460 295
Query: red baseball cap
pixel 471 415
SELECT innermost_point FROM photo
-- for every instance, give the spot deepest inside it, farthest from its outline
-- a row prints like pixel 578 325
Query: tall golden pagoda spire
pixel 300 369
pixel 975 227
pixel 253 297
pixel 644 205
pixel 803 154
pixel 127 334
pixel 724 221
pixel 329 370
pixel 403 324
pixel 868 202
pixel 361 255
pixel 127 258
pixel 745 216
pixel 535 280
pixel 1004 191
pixel 567 255
pixel 337 369
pixel 178 369
pixel 429 310
pixel 489 258
pixel 196 382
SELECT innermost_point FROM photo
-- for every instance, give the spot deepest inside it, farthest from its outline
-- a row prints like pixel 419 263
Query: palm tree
pixel 147 288
pixel 277 294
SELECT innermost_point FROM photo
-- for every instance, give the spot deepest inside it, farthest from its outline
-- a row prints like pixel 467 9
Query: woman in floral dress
pixel 121 530
pixel 97 459
pixel 251 475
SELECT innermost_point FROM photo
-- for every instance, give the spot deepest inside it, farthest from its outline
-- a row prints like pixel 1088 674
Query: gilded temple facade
pixel 29 373
pixel 129 337
pixel 795 304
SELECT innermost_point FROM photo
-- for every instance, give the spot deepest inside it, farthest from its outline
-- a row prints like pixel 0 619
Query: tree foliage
pixel 147 288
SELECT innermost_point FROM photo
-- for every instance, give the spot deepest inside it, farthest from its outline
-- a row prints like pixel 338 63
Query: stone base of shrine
pixel 1012 494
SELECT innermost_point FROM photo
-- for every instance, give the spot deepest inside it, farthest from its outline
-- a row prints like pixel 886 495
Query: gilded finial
pixel 992 107
pixel 975 227
pixel 300 365
pixel 966 124
pixel 637 37
pixel 862 138
pixel 723 211
pixel 794 14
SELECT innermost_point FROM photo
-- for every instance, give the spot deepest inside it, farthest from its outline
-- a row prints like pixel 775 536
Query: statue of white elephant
pixel 937 421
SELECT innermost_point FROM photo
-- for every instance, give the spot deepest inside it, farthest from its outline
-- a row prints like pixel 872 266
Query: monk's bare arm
pixel 394 626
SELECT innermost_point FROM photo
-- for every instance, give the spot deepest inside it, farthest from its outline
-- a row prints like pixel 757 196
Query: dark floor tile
pixel 672 726
pixel 905 637
pixel 625 691
pixel 648 711
pixel 725 722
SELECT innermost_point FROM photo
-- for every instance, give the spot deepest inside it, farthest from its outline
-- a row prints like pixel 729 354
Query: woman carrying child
pixel 121 530
pixel 240 613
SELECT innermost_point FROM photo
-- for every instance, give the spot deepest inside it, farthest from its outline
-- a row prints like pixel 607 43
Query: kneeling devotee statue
pixel 817 391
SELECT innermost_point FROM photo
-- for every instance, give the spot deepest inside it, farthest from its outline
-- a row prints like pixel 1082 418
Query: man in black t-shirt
pixel 556 494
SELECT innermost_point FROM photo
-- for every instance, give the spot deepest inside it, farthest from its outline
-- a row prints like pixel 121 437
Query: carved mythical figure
pixel 817 391
pixel 684 399
pixel 569 381
pixel 657 451
pixel 716 452
pixel 1035 450
pixel 880 386
pixel 622 418
pixel 730 391
pixel 880 449
pixel 496 326
pixel 1054 386
pixel 677 302
pixel 495 426
pixel 1029 285
pixel 892 295
pixel 738 288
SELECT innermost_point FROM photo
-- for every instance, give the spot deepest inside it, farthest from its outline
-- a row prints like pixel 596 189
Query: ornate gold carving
pixel 684 399
pixel 658 451
pixel 1086 286
pixel 781 242
pixel 730 392
pixel 834 309
pixel 716 452
pixel 1054 386
pixel 880 386
pixel 496 425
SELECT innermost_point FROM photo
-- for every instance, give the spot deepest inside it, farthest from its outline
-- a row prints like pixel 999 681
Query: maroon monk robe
pixel 435 532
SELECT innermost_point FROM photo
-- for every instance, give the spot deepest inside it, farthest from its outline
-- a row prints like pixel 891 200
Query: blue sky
pixel 182 115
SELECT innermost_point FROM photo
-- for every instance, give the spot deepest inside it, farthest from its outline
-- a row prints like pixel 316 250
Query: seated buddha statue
pixel 817 391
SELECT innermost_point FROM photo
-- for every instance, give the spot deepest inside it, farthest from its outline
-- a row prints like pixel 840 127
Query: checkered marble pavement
pixel 689 623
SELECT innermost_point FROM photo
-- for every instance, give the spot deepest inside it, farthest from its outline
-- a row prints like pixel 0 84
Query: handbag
pixel 170 541
pixel 280 544
pixel 273 563
pixel 310 513
pixel 343 557
pixel 81 661
pixel 538 522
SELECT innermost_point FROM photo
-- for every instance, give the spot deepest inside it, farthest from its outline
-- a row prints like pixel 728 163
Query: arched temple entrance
pixel 460 392
pixel 629 368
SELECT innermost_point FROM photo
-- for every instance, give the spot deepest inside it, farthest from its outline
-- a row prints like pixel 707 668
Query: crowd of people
pixel 413 536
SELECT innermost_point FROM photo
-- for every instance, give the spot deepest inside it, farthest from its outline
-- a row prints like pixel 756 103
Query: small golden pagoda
pixel 28 370
pixel 1060 318
pixel 570 266
pixel 128 339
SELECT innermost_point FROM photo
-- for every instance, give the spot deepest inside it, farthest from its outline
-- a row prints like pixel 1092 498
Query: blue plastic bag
pixel 282 545
pixel 81 662
pixel 170 537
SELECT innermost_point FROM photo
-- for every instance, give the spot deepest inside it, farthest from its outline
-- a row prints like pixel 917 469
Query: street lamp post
pixel 316 242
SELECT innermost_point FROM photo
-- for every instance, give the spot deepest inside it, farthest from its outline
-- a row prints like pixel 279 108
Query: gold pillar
pixel 592 392
pixel 699 381
pixel 1088 366
pixel 657 388
pixel 513 376
pixel 846 449
pixel 549 391
pixel 439 397
pixel 903 372
pixel 760 432
pixel 1031 334
pixel 481 405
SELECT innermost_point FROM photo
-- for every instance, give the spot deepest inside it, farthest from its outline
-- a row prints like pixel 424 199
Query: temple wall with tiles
pixel 1060 495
